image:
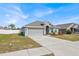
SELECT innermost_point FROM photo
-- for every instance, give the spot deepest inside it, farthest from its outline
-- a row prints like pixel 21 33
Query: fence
pixel 9 31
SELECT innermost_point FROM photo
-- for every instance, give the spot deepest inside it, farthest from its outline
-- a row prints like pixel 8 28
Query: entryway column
pixel 44 30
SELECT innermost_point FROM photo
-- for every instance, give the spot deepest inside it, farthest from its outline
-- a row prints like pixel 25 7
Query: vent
pixel 42 24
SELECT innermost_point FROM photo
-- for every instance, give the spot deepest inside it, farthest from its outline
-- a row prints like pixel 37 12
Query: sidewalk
pixel 28 52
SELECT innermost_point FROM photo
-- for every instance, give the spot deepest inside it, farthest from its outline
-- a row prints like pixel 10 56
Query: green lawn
pixel 14 42
pixel 71 37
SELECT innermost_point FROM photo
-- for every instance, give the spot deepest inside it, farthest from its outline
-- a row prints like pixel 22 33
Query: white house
pixel 37 28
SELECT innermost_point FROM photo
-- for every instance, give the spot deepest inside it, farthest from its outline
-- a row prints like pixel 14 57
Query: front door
pixel 47 29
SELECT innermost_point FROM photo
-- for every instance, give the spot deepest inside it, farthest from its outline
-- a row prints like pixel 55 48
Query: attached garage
pixel 35 31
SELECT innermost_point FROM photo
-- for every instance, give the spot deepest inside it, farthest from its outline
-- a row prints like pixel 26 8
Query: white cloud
pixel 12 21
pixel 7 15
pixel 69 20
pixel 41 13
pixel 13 15
pixel 74 18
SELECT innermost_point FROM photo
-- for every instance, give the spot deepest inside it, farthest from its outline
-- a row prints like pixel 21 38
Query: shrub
pixel 21 33
pixel 68 32
pixel 53 33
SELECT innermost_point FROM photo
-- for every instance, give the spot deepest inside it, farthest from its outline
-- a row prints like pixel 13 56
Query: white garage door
pixel 35 32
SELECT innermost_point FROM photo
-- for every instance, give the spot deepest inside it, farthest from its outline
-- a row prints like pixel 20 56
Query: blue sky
pixel 22 13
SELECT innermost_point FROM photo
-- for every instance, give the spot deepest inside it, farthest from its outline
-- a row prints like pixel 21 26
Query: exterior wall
pixel 56 31
pixel 50 30
pixel 62 31
pixel 25 31
pixel 9 31
pixel 76 31
pixel 44 30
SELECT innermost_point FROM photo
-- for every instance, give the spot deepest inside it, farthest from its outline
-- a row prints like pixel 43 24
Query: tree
pixel 12 26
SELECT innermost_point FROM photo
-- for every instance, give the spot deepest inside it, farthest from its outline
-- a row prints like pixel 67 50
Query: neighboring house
pixel 1 27
pixel 74 28
pixel 4 28
pixel 37 28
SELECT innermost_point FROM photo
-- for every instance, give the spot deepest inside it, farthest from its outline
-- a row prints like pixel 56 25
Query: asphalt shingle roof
pixel 65 26
pixel 37 23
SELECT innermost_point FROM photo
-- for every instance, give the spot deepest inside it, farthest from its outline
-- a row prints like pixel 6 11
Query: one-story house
pixel 45 27
pixel 73 27
pixel 37 28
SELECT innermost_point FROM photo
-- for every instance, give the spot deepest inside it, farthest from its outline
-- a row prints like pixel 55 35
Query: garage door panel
pixel 35 32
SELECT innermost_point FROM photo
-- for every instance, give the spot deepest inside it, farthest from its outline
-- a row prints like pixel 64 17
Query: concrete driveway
pixel 57 46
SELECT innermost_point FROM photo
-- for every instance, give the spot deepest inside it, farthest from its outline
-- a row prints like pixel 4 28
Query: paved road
pixel 58 46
